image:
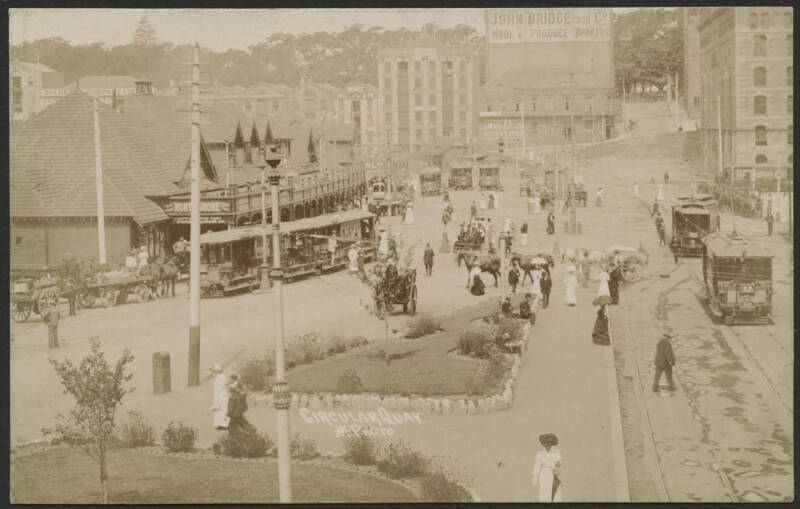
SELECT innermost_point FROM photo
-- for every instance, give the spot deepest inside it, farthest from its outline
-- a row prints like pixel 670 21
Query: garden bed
pixel 68 476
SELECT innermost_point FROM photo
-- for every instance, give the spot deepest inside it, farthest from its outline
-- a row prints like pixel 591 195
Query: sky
pixel 218 29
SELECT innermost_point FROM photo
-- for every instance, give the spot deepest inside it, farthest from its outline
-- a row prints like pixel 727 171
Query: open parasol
pixel 621 248
pixel 538 261
pixel 602 300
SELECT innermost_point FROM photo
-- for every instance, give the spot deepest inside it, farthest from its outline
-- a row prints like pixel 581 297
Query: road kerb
pixel 617 442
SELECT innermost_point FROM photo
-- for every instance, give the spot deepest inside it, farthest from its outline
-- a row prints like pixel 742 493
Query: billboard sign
pixel 505 26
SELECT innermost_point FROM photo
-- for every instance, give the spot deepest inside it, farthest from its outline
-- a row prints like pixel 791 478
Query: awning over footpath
pixel 310 223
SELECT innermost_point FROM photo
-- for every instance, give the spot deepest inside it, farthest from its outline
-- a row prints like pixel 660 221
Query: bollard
pixel 161 373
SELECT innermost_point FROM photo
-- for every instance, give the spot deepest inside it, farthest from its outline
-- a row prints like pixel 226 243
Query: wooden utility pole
pixel 98 176
pixel 194 255
pixel 524 130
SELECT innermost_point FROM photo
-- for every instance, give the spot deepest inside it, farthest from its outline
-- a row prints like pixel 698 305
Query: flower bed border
pixel 445 405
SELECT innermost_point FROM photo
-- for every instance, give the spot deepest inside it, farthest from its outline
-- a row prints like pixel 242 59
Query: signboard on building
pixel 203 220
pixel 94 92
pixel 548 25
pixel 213 207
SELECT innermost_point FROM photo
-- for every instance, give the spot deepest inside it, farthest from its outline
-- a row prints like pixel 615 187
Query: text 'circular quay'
pixel 404 256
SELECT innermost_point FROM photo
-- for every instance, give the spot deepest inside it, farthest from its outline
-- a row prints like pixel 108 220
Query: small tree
pixel 145 34
pixel 98 389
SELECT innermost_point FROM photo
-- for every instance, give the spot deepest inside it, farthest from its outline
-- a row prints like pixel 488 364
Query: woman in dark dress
pixel 551 223
pixel 613 285
pixel 477 285
pixel 237 406
pixel 600 334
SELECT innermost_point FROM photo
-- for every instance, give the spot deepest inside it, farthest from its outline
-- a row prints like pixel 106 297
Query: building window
pixel 418 116
pixel 790 135
pixel 759 46
pixel 431 66
pixel 448 65
pixel 432 82
pixel 764 20
pixel 566 103
pixel 402 66
pixel 789 104
pixel 387 82
pixel 462 65
pixel 387 67
pixel 533 104
pixel 388 118
pixel 516 106
pixel 789 76
pixel 589 103
pixel 761 159
pixel 760 105
pixel 462 81
pixel 462 99
pixel 417 100
pixel 432 100
pixel 760 77
pixel 588 125
pixel 418 134
pixel 462 116
pixel 417 82
pixel 761 135
pixel 753 20
pixel 431 117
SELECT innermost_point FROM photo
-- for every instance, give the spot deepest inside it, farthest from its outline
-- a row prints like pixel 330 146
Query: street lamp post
pixel 265 268
pixel 281 397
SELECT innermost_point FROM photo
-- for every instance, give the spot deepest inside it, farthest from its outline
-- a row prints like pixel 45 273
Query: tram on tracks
pixel 430 181
pixel 692 219
pixel 231 259
pixel 737 275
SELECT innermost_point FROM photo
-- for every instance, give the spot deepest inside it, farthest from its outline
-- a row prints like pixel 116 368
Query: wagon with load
pixel 401 290
pixel 114 287
pixel 31 295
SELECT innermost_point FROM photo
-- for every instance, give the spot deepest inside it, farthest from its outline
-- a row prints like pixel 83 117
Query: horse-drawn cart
pixel 113 288
pixel 33 295
pixel 462 247
pixel 403 290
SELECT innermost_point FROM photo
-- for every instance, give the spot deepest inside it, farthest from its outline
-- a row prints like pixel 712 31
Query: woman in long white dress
pixel 483 202
pixel 220 404
pixel 602 289
pixel 352 255
pixel 570 287
pixel 660 195
pixel 383 244
pixel 409 214
pixel 547 470
pixel 537 287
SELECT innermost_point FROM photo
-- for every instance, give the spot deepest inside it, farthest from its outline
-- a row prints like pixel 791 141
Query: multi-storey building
pixel 107 89
pixel 551 69
pixel 358 104
pixel 691 61
pixel 746 72
pixel 426 90
pixel 314 101
pixel 25 85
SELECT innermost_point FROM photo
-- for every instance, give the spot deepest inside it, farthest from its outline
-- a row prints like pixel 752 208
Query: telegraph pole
pixel 98 175
pixel 524 130
pixel 194 256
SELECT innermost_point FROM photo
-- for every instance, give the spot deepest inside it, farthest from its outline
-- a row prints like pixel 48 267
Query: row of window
pixel 566 101
pixel 760 76
pixel 462 82
pixel 462 100
pixel 761 135
pixel 778 20
pixel 432 133
pixel 431 64
pixel 762 159
pixel 760 45
pixel 760 104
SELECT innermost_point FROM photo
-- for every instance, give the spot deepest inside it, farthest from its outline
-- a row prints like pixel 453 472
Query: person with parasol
pixel 600 334
pixel 570 286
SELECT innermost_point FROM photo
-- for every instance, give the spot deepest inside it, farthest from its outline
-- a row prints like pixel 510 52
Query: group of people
pixel 660 228
pixel 230 402
pixel 137 261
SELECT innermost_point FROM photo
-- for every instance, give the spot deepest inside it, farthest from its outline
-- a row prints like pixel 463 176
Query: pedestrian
pixel 523 231
pixel 547 470
pixel 770 221
pixel 505 307
pixel 332 249
pixel 473 210
pixel 655 207
pixel 666 177
pixel 352 256
pixel 551 223
pixel 427 258
pixel 600 334
pixel 546 284
pixel 660 195
pixel 130 261
pixel 599 197
pixel 492 201
pixel 636 189
pixel 143 260
pixel 383 243
pixel 237 406
pixel 602 287
pixel 476 283
pixel 513 276
pixel 51 316
pixel 613 284
pixel 570 287
pixel 665 359
pixel 220 403
pixel 662 235
pixel 536 282
pixel 525 307
pixel 72 297
pixel 409 214
pixel 659 220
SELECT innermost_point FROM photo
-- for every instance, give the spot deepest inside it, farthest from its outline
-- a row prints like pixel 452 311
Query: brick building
pixel 427 90
pixel 107 89
pixel 26 81
pixel 746 65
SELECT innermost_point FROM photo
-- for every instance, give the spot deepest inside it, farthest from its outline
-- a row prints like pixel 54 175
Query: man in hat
pixel 143 258
pixel 665 359
pixel 130 261
pixel 770 221
pixel 51 316
pixel 427 259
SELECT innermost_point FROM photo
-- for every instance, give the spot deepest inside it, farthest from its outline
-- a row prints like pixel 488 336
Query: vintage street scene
pixel 401 255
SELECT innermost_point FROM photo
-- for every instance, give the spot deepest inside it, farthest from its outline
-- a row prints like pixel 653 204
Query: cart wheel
pixel 48 298
pixel 412 302
pixel 109 297
pixel 143 293
pixel 632 272
pixel 88 298
pixel 20 312
pixel 122 296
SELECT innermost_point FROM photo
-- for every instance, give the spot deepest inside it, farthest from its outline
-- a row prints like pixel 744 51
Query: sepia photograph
pixel 530 254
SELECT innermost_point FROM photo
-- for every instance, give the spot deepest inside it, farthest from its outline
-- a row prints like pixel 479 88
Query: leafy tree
pixel 98 389
pixel 145 34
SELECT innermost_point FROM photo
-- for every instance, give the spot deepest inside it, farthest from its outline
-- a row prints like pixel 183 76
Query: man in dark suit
pixel 665 359
pixel 427 259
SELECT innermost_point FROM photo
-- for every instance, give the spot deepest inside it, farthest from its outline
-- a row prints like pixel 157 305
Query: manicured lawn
pixel 68 476
pixel 425 369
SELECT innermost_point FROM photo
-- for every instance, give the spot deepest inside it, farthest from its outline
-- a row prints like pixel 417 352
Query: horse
pixel 490 264
pixel 165 274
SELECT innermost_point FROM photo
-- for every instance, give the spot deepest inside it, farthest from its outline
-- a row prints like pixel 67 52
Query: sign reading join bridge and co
pixel 548 25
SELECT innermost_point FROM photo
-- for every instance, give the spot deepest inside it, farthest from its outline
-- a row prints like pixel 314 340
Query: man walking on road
pixel 427 259
pixel 665 359
pixel 51 316
pixel 770 220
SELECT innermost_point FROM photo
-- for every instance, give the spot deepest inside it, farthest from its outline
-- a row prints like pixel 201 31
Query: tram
pixel 430 180
pixel 692 219
pixel 737 275
pixel 461 176
pixel 231 259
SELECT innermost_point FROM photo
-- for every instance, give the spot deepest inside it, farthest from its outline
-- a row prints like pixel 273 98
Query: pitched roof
pixel 34 66
pixel 88 82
